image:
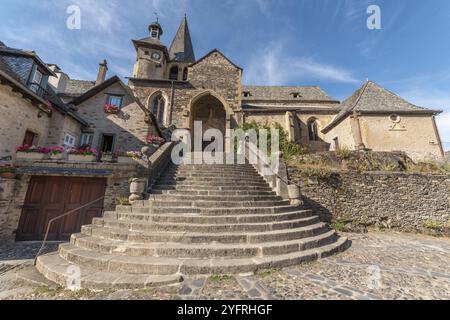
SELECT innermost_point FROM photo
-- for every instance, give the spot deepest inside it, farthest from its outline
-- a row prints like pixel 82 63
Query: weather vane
pixel 156 15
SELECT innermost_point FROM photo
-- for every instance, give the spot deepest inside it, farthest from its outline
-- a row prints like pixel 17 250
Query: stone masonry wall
pixel 18 116
pixel 214 73
pixel 402 201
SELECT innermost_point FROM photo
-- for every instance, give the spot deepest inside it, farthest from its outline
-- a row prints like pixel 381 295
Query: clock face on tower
pixel 156 56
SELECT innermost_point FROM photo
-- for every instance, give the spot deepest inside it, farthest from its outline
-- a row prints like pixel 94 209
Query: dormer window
pixel 296 95
pixel 247 94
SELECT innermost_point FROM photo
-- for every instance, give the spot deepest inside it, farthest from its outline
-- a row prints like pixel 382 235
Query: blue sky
pixel 277 42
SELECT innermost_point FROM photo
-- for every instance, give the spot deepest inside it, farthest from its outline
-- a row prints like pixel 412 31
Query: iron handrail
pixel 44 242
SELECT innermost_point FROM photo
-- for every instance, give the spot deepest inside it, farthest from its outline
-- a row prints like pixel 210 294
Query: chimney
pixel 102 70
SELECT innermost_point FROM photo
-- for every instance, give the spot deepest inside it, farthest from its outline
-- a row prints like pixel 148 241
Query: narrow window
pixel 173 73
pixel 69 140
pixel 29 138
pixel 185 74
pixel 313 130
pixel 159 108
pixel 336 144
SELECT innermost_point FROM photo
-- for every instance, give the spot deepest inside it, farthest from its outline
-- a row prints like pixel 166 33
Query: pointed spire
pixel 181 49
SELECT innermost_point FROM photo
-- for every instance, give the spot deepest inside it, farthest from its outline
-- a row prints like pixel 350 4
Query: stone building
pixel 168 88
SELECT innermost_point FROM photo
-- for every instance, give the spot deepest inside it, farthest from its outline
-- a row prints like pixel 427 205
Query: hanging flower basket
pixel 155 141
pixel 111 109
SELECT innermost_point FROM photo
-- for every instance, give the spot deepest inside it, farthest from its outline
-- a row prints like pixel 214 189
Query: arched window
pixel 173 73
pixel 185 74
pixel 313 130
pixel 159 108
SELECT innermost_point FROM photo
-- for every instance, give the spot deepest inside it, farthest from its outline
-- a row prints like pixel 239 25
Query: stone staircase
pixel 200 219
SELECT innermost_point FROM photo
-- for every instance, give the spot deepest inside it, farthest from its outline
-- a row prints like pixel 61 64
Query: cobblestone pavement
pixel 377 266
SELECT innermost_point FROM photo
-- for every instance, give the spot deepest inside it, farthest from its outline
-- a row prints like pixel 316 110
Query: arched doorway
pixel 211 112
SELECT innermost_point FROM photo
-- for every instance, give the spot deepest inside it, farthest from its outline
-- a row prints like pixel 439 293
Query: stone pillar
pixel 357 131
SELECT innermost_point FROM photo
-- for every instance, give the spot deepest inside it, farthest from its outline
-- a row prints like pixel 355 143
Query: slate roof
pixel 78 87
pixel 277 93
pixel 181 49
pixel 30 54
pixel 372 98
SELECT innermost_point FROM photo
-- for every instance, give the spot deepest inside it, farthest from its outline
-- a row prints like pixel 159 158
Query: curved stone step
pixel 216 204
pixel 198 219
pixel 190 266
pixel 224 211
pixel 55 268
pixel 213 193
pixel 205 228
pixel 215 250
pixel 220 198
pixel 196 237
pixel 211 188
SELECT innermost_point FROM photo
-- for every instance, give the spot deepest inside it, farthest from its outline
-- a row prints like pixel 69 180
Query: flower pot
pixel 82 158
pixel 137 186
pixel 8 175
pixel 127 160
pixel 57 156
pixel 30 155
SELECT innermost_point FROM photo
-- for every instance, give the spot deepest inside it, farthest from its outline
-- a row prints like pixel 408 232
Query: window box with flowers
pixel 57 153
pixel 82 155
pixel 129 157
pixel 111 109
pixel 7 171
pixel 28 152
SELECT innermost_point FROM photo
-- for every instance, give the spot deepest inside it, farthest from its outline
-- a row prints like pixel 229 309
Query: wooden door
pixel 50 197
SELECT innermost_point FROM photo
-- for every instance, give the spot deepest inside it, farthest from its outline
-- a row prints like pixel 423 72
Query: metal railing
pixel 44 242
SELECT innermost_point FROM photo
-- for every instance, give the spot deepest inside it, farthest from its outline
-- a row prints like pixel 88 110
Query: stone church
pixel 190 220
pixel 178 89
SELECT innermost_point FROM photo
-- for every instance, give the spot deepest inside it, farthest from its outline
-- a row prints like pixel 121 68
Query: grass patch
pixel 123 201
pixel 220 278
pixel 343 153
pixel 436 225
pixel 338 226
pixel 61 292
pixel 269 272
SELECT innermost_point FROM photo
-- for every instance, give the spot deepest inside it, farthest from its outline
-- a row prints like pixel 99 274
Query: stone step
pixel 217 183
pixel 211 177
pixel 220 198
pixel 190 266
pixel 215 250
pixel 223 211
pixel 198 219
pixel 211 188
pixel 153 204
pixel 213 193
pixel 205 228
pixel 212 174
pixel 196 237
pixel 55 268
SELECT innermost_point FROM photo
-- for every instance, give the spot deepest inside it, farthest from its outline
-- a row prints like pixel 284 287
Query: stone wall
pixel 128 127
pixel 61 125
pixel 18 116
pixel 214 74
pixel 401 201
pixel 13 192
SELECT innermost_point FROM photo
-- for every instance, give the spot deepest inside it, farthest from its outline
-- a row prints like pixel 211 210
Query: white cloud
pixel 272 67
